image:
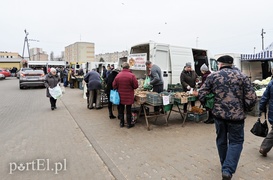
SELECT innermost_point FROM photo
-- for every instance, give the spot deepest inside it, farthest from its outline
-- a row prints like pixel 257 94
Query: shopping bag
pixel 146 84
pixel 114 97
pixel 55 92
pixel 260 129
pixel 209 101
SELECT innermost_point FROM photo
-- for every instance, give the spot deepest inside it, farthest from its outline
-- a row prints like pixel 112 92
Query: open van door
pixel 179 57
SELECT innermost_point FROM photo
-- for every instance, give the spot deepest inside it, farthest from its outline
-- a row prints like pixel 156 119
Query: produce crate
pixel 181 100
pixel 154 99
pixel 171 96
pixel 197 117
pixel 140 99
pixel 175 87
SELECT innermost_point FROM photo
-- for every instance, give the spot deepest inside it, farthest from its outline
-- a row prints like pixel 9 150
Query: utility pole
pixel 262 34
pixel 26 42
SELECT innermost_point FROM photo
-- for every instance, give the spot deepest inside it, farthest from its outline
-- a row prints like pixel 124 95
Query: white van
pixel 171 59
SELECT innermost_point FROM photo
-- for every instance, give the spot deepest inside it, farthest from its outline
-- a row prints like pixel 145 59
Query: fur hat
pixel 225 59
pixel 188 64
pixel 204 68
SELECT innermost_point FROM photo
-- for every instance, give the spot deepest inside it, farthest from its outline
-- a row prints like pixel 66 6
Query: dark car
pixel 32 78
pixel 5 72
pixel 21 70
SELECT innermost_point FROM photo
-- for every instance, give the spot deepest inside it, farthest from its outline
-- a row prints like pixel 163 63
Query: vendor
pixel 188 79
pixel 156 80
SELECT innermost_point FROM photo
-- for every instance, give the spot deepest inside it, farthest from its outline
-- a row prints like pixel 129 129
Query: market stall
pixel 169 102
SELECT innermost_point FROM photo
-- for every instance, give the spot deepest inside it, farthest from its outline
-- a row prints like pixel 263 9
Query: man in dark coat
pixel 267 99
pixel 51 80
pixel 125 82
pixel 94 86
pixel 188 79
pixel 109 80
pixel 233 95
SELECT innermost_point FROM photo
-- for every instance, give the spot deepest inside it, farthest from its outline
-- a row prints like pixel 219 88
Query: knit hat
pixel 188 64
pixel 225 59
pixel 204 68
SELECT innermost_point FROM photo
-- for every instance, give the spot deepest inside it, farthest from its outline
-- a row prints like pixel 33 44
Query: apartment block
pixel 37 54
pixel 80 52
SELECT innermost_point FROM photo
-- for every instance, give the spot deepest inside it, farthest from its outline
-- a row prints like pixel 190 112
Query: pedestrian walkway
pixel 88 145
pixel 32 132
pixel 165 152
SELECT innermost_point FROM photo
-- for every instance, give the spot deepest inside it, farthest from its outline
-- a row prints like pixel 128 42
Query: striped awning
pixel 266 54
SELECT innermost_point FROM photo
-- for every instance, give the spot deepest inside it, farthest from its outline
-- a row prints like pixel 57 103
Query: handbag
pixel 260 129
pixel 114 97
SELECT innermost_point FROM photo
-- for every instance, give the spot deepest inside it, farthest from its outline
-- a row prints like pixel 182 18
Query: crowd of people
pixel 233 92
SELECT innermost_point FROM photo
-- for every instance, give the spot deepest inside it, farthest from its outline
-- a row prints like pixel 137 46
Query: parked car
pixel 21 70
pixel 5 72
pixel 32 78
pixel 2 76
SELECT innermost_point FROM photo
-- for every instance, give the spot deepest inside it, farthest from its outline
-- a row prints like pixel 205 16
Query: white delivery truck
pixel 171 59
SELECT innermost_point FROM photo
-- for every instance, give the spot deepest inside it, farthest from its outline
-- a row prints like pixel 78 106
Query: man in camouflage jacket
pixel 234 95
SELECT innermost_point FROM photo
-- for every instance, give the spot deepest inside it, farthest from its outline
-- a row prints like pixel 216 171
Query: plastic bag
pixel 260 129
pixel 55 92
pixel 146 84
pixel 209 101
pixel 114 97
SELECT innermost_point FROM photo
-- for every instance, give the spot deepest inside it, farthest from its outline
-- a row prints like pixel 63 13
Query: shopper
pixel 51 81
pixel 234 95
pixel 125 82
pixel 109 81
pixel 205 72
pixel 94 86
pixel 267 99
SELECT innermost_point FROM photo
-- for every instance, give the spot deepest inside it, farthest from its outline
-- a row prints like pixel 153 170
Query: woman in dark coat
pixel 125 82
pixel 205 72
pixel 51 81
pixel 188 80
pixel 109 80
pixel 72 79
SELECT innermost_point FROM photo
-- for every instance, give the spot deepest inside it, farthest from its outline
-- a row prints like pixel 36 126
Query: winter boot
pixel 129 121
pixel 121 116
pixel 111 115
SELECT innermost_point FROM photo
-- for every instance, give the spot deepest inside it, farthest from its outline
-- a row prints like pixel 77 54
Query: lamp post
pixel 262 34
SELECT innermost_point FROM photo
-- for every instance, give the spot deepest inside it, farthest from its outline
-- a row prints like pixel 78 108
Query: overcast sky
pixel 222 26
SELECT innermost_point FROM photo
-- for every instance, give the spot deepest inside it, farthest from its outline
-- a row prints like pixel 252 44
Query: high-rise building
pixel 80 52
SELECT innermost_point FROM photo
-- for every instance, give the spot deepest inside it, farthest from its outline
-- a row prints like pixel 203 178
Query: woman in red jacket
pixel 125 83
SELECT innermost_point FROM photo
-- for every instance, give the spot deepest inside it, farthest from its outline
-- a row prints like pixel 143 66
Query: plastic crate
pixel 171 96
pixel 175 87
pixel 154 99
pixel 197 117
pixel 192 98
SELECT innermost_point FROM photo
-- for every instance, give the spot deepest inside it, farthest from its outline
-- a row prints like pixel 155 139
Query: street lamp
pixel 262 34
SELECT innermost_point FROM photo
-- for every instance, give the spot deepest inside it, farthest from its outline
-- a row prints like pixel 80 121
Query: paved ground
pixel 94 147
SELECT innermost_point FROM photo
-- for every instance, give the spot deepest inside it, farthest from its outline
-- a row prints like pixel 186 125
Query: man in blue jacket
pixel 267 98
